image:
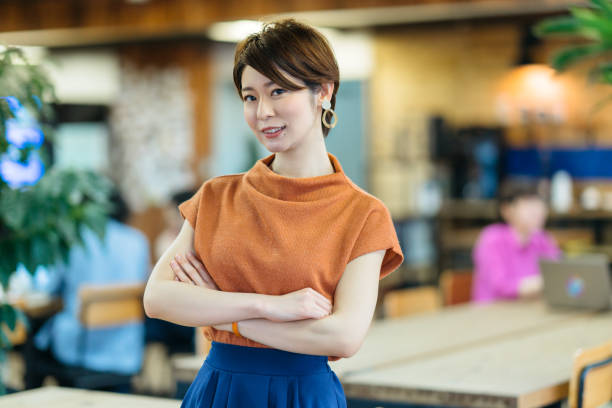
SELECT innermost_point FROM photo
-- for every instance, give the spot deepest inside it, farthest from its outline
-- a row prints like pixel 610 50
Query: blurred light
pixel 22 130
pixel 531 92
pixel 17 174
pixel 13 103
pixel 234 31
pixel 354 52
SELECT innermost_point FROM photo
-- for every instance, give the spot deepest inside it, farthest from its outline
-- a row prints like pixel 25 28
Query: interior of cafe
pixel 483 126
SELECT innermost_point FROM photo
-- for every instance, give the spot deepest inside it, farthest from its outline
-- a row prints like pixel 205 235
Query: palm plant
pixel 591 23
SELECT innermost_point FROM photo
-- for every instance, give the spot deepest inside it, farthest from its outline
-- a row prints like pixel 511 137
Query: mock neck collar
pixel 263 180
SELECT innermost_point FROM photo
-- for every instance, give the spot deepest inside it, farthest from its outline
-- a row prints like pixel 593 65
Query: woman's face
pixel 526 214
pixel 281 119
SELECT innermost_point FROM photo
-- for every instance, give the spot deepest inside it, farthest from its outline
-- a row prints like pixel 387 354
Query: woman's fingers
pixel 321 300
pixel 189 270
pixel 179 274
pixel 325 306
pixel 320 297
pixel 199 266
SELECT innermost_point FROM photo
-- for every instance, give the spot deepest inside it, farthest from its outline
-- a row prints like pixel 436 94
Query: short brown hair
pixel 297 49
pixel 515 189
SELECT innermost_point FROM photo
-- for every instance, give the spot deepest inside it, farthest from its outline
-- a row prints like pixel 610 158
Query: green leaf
pixel 568 56
pixel 9 316
pixel 67 230
pixel 605 6
pixel 595 20
pixel 558 25
pixel 13 208
pixel 4 341
pixel 606 72
pixel 41 253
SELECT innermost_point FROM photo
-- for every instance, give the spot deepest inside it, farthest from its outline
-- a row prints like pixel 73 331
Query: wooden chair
pixel 403 302
pixel 591 380
pixel 110 305
pixel 100 306
pixel 456 286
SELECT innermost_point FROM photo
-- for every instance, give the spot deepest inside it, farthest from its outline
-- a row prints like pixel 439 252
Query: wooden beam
pixel 192 16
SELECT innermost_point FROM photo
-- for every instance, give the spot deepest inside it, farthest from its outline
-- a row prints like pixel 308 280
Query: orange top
pixel 260 232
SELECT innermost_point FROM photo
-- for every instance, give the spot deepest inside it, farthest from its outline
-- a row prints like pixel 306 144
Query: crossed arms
pixel 180 290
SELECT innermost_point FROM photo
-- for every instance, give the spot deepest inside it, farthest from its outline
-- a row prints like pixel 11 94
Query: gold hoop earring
pixel 327 109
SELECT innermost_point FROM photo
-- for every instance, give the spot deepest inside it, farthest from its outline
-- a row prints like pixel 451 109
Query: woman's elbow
pixel 151 307
pixel 348 344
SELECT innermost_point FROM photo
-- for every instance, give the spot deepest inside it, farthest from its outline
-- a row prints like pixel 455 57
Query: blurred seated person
pixel 121 258
pixel 506 254
pixel 176 338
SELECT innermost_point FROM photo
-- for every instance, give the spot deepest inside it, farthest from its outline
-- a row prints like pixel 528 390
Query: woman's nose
pixel 264 109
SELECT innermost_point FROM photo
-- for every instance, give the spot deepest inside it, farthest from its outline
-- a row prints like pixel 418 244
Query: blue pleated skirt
pixel 237 376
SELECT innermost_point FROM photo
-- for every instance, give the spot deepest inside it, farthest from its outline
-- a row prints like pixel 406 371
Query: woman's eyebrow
pixel 267 85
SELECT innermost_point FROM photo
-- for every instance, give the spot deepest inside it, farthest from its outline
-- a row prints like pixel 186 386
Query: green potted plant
pixel 592 24
pixel 42 208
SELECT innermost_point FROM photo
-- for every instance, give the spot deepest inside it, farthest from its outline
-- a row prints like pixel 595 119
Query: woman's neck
pixel 307 161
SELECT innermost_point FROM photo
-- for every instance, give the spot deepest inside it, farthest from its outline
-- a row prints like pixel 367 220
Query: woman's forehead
pixel 252 78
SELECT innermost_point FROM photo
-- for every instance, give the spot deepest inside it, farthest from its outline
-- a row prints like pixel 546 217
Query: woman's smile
pixel 272 132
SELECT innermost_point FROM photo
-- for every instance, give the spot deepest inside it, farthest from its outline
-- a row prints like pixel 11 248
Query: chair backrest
pixel 456 286
pixel 591 380
pixel 109 305
pixel 403 302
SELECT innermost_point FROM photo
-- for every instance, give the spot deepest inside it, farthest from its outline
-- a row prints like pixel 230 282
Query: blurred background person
pixel 121 258
pixel 174 337
pixel 506 254
pixel 163 338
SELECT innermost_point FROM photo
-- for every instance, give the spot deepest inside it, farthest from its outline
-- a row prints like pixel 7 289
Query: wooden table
pixel 521 369
pixel 410 339
pixel 58 397
pixel 415 338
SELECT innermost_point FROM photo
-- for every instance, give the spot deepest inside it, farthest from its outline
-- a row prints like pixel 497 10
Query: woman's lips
pixel 271 135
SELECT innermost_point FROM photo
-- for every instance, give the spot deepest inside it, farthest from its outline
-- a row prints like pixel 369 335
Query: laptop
pixel 582 282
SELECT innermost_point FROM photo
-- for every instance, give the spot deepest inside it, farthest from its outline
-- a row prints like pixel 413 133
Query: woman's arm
pixel 340 334
pixel 190 305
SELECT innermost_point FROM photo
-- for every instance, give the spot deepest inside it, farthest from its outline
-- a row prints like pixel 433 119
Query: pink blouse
pixel 501 261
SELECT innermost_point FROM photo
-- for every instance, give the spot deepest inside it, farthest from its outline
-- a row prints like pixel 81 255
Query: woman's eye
pixel 278 91
pixel 249 98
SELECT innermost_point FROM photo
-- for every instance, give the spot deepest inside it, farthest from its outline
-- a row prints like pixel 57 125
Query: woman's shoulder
pixel 493 233
pixel 221 182
pixel 363 199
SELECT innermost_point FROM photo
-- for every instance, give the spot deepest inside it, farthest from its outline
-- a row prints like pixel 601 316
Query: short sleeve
pixel 378 232
pixel 189 208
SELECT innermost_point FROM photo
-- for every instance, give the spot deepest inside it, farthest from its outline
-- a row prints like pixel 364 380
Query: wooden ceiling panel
pixel 124 20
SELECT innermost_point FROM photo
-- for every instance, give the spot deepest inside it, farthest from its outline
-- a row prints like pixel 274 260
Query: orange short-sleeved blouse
pixel 260 232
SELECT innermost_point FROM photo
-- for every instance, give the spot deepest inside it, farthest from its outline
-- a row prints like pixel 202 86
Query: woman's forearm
pixel 190 305
pixel 329 336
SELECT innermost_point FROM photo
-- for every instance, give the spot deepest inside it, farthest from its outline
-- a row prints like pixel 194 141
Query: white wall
pixel 85 76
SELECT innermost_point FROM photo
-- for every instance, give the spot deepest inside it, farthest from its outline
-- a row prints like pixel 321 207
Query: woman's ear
pixel 327 91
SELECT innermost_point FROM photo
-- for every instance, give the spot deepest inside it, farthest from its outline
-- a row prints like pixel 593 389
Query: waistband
pixel 266 361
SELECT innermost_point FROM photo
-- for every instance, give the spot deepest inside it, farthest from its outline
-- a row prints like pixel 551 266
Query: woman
pixel 506 254
pixel 291 251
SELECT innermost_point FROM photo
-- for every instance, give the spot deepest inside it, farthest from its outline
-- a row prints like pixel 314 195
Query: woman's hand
pixel 189 269
pixel 531 286
pixel 302 304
